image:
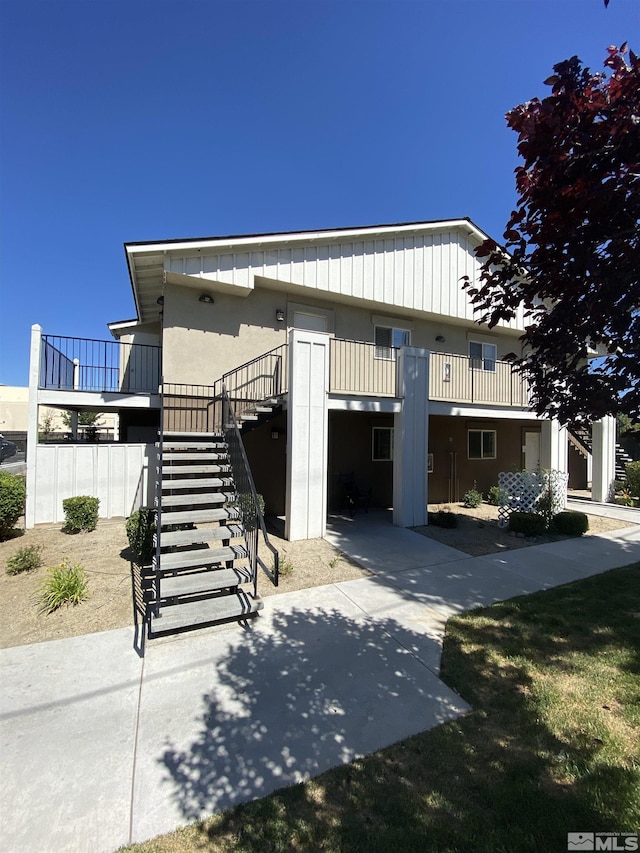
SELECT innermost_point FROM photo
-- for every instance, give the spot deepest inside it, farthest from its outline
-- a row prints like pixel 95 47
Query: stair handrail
pixel 246 385
pixel 241 471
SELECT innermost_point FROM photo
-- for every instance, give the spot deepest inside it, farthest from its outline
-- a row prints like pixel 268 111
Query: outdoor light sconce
pixel 440 339
pixel 206 298
pixel 160 300
pixel 280 315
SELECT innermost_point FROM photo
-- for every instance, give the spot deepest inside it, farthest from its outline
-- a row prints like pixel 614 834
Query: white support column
pixel 554 447
pixel 32 425
pixel 307 435
pixel 411 431
pixel 603 453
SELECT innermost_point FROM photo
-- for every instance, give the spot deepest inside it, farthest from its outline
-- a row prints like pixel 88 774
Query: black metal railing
pixel 84 364
pixel 261 379
pixel 191 408
pixel 247 497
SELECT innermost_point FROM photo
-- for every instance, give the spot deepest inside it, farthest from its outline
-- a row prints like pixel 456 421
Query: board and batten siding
pixel 122 476
pixel 420 272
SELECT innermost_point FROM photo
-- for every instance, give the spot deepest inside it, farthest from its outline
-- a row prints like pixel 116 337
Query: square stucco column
pixel 411 433
pixel 603 454
pixel 307 432
pixel 32 425
pixel 554 449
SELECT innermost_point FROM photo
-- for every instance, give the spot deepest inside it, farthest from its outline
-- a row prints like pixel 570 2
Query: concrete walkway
pixel 100 747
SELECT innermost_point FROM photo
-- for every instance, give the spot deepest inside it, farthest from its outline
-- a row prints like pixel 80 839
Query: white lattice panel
pixel 520 491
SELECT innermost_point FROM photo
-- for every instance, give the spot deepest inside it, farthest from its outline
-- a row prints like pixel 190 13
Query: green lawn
pixel 552 746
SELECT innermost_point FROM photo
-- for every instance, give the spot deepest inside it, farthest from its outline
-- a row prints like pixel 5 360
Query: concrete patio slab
pixel 228 718
pixel 68 710
pixel 374 543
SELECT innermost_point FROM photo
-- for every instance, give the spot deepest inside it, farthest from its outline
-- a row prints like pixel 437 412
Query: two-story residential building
pixel 348 354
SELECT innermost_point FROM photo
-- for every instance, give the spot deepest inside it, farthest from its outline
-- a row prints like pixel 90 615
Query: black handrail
pixel 262 379
pixel 247 497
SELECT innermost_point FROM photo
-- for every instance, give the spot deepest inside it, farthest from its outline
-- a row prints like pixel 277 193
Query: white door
pixel 532 451
pixel 310 322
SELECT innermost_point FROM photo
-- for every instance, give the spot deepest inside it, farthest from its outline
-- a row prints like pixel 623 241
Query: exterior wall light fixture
pixel 280 315
pixel 440 339
pixel 206 297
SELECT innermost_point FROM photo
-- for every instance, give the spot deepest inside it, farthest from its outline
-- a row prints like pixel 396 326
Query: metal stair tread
pixel 197 483
pixel 200 535
pixel 191 457
pixel 202 436
pixel 211 468
pixel 196 516
pixel 194 445
pixel 196 557
pixel 194 584
pixel 193 500
pixel 205 612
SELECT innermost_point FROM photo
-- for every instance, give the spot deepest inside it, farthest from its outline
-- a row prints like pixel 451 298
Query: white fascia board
pixel 386 405
pixel 107 401
pixel 308 236
pixel 484 412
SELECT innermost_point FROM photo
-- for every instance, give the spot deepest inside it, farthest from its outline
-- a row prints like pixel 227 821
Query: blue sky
pixel 135 120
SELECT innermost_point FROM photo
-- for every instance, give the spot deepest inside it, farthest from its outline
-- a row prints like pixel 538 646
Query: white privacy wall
pixel 122 476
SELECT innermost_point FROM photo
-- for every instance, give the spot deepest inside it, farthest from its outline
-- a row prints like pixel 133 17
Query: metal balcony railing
pixel 84 364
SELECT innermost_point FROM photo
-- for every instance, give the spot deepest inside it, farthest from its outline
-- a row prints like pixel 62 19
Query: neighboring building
pixel 348 354
pixel 14 416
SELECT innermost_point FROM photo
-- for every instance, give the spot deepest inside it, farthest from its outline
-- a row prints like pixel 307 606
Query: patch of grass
pixel 25 560
pixel 551 747
pixel 65 584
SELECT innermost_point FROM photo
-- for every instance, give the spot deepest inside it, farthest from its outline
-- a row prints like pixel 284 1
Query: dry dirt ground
pixel 105 558
pixel 478 532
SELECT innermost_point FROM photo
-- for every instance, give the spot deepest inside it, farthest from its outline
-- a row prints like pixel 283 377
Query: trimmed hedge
pixel 81 513
pixel 13 492
pixel 140 526
pixel 527 523
pixel 571 523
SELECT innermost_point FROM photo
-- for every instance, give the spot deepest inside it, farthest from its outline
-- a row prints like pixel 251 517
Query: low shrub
pixel 65 584
pixel 12 495
pixel 571 523
pixel 443 518
pixel 633 479
pixel 527 523
pixel 625 499
pixel 140 527
pixel 472 499
pixel 25 560
pixel 496 494
pixel 80 513
pixel 285 567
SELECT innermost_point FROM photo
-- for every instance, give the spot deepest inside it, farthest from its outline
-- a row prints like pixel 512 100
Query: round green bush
pixel 80 513
pixel 571 523
pixel 443 518
pixel 13 492
pixel 527 523
pixel 472 499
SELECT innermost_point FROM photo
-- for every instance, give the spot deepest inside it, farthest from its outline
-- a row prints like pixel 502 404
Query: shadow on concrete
pixel 314 691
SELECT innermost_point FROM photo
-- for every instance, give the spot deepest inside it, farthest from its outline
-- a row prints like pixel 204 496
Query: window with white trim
pixel 382 444
pixel 483 356
pixel 387 339
pixel 481 443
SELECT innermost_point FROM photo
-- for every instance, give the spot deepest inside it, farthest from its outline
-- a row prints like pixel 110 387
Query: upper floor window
pixel 483 356
pixel 388 339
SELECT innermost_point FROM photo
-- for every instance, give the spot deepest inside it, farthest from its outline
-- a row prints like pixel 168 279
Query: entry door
pixel 532 451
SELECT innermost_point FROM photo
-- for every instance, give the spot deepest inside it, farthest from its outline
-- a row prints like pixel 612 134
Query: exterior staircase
pixel 203 572
pixel 580 439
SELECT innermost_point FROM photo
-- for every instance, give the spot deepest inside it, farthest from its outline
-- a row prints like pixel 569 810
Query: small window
pixel 482 443
pixel 388 340
pixel 382 444
pixel 483 356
